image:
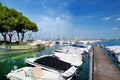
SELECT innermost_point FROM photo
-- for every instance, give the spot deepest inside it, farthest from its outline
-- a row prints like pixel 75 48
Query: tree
pixel 28 26
pixel 11 25
pixel 25 25
pixel 12 21
pixel 3 24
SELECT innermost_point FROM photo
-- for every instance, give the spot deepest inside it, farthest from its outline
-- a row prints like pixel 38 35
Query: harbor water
pixel 8 61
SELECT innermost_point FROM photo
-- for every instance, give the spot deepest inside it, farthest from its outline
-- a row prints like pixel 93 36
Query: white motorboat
pixel 33 73
pixel 118 58
pixel 85 48
pixel 52 63
pixel 72 50
pixel 112 48
pixel 71 54
pixel 73 59
pixel 115 51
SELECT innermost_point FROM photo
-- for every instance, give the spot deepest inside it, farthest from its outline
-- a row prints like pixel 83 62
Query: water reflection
pixel 8 61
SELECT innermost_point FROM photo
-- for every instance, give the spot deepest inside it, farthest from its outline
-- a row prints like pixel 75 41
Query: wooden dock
pixel 104 69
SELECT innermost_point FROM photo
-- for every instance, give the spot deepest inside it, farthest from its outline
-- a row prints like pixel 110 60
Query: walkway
pixel 103 67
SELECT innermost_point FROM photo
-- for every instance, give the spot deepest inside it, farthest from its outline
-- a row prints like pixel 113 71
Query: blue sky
pixel 86 19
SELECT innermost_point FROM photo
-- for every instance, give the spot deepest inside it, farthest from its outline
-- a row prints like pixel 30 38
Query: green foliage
pixel 12 20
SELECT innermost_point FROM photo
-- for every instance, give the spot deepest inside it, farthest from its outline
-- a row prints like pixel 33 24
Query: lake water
pixel 8 61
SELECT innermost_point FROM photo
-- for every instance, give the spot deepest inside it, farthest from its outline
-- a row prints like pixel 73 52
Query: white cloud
pixel 58 20
pixel 106 18
pixel 53 24
pixel 114 28
pixel 118 19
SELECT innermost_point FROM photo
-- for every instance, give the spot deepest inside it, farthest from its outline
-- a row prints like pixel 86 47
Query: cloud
pixel 118 19
pixel 114 28
pixel 53 24
pixel 106 18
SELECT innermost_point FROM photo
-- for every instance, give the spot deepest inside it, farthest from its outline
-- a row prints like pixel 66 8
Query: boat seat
pixel 36 73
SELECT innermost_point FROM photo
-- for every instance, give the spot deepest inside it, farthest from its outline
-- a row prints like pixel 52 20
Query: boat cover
pixel 53 62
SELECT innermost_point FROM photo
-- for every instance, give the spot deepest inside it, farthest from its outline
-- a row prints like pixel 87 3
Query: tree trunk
pixel 5 38
pixel 18 36
pixel 22 36
pixel 10 37
pixel 10 34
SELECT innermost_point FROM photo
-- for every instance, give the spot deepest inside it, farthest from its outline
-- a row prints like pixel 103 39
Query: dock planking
pixel 104 69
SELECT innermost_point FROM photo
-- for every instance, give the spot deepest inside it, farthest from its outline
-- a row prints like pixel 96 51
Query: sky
pixel 66 19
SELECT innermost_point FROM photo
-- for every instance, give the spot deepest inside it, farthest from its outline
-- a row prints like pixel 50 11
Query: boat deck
pixel 104 69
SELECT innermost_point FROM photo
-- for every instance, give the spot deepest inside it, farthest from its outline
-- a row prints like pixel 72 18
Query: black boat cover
pixel 53 62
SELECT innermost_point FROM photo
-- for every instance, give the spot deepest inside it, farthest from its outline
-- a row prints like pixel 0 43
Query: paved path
pixel 103 67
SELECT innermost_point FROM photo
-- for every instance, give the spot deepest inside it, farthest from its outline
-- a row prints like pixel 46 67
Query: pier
pixel 104 69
